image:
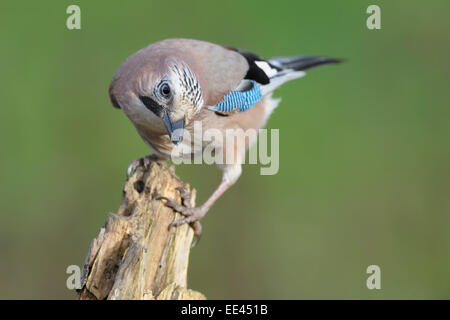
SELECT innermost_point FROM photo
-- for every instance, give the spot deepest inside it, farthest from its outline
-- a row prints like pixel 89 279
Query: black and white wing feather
pixel 268 75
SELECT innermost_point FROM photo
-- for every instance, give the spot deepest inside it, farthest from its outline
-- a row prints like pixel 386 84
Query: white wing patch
pixel 268 70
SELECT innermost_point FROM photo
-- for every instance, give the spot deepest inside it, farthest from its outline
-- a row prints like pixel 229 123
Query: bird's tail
pixel 290 68
pixel 301 63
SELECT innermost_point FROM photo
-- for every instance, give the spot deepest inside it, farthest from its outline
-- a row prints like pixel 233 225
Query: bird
pixel 168 86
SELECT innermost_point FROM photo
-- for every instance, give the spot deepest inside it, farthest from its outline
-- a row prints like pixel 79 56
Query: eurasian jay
pixel 167 86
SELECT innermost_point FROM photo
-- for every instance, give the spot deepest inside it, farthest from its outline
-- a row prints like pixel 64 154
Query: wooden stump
pixel 135 255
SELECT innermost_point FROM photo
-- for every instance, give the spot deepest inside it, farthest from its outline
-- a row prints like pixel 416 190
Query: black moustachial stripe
pixel 152 105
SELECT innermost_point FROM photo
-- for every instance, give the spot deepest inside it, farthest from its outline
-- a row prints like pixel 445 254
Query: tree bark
pixel 135 255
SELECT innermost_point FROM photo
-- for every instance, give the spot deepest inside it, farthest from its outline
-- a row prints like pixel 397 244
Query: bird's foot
pixel 144 161
pixel 191 215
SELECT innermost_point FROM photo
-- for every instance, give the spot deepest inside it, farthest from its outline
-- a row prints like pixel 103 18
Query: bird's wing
pixel 248 92
pixel 263 77
pixel 260 70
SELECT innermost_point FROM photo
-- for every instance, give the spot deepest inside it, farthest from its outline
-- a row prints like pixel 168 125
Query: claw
pixel 174 205
pixel 188 219
pixel 132 167
pixel 195 225
pixel 192 215
pixel 185 196
pixel 144 161
pixel 197 232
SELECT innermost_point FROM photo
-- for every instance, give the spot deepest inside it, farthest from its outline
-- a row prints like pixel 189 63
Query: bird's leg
pixel 192 215
pixel 144 161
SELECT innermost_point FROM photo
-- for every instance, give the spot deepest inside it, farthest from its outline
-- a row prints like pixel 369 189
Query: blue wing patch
pixel 243 100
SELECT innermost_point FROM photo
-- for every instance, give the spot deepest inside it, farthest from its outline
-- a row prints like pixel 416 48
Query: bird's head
pixel 160 93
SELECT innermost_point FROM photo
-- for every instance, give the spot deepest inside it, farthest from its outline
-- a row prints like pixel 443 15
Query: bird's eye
pixel 165 90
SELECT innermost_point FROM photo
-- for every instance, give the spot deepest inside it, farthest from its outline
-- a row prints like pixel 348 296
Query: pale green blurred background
pixel 364 154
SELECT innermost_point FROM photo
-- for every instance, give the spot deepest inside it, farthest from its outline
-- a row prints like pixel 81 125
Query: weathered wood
pixel 136 255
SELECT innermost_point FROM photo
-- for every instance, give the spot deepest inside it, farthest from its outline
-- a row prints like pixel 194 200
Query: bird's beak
pixel 175 129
